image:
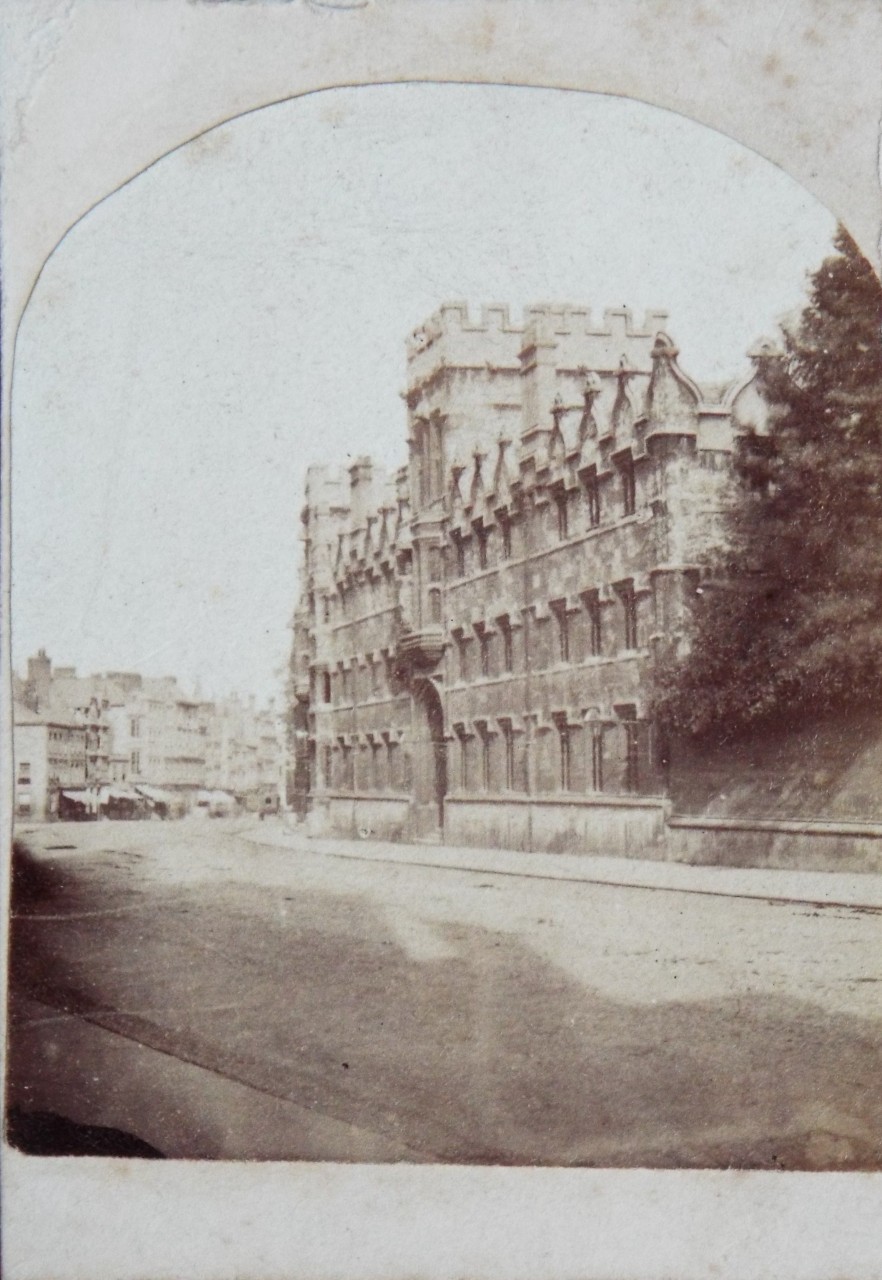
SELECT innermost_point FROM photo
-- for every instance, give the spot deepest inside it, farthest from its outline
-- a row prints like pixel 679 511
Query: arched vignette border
pixel 379 84
pixel 6 566
pixel 780 1200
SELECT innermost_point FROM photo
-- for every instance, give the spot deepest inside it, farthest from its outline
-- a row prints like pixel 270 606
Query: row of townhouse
pixel 127 730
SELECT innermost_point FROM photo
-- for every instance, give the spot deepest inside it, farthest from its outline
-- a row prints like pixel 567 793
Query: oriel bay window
pixel 429 447
pixel 433 563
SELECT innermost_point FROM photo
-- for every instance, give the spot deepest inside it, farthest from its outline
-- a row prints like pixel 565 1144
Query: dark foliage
pixel 789 624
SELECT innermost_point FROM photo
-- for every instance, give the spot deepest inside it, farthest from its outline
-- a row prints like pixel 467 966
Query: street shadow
pixel 476 1051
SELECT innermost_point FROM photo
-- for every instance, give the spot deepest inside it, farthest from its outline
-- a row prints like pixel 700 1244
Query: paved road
pixel 217 997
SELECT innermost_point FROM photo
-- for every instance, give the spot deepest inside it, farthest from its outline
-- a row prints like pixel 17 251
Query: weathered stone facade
pixel 475 633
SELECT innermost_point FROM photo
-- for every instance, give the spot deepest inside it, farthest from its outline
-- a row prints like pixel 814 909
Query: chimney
pixel 39 682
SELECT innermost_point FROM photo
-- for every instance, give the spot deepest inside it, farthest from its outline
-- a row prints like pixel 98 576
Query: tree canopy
pixel 788 623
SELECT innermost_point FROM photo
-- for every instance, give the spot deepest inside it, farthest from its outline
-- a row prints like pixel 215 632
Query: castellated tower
pixel 471 382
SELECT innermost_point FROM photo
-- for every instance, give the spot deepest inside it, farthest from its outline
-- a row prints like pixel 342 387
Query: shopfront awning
pixel 156 794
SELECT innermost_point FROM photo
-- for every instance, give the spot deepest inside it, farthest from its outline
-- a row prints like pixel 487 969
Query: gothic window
pixel 597 758
pixel 630 727
pixel 435 605
pixel 436 460
pixel 459 551
pixel 376 766
pixel 508 746
pixel 595 627
pixel 625 464
pixel 625 591
pixel 462 650
pixel 559 609
pixel 482 537
pixel 563 514
pixel 348 767
pixel 392 765
pixel 433 564
pixel 564 754
pixel 505 534
pixel 507 644
pixel 485 746
pixel 326 686
pixel 484 646
pixel 462 739
pixel 592 497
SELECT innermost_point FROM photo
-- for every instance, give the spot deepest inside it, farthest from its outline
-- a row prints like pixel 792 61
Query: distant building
pixel 145 731
pixel 49 755
pixel 244 751
pixel 475 634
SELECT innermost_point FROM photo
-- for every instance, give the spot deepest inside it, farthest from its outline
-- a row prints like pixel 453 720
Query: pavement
pixel 815 888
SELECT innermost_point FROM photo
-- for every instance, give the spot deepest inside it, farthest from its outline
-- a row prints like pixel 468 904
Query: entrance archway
pixel 429 760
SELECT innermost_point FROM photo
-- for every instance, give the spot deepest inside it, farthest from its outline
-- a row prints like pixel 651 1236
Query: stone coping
pixel 783 826
pixel 569 799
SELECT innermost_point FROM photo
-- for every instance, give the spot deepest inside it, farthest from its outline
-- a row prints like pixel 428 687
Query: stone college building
pixel 475 633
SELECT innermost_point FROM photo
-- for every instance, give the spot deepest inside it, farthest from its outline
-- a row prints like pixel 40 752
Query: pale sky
pixel 239 310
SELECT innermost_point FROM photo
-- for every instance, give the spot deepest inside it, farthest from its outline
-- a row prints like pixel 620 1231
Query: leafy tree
pixel 789 624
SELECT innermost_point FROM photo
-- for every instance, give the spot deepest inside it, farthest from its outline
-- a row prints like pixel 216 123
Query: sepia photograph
pixel 445 651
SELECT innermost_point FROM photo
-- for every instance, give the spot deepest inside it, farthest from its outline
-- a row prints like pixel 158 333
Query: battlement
pixel 494 343
pixel 557 317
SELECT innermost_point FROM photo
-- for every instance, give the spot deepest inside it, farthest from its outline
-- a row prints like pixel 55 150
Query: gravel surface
pixel 217 997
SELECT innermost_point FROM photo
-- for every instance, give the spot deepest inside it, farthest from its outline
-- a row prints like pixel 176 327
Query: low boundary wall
pixel 616 826
pixel 776 843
